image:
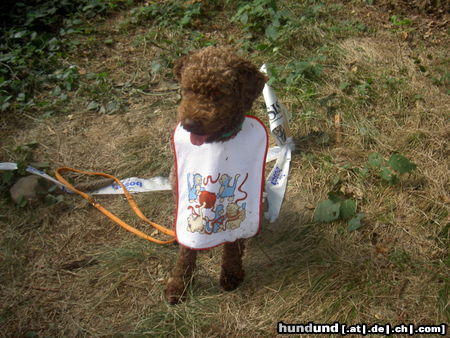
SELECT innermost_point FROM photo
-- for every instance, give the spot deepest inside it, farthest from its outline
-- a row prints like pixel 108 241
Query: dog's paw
pixel 175 291
pixel 231 280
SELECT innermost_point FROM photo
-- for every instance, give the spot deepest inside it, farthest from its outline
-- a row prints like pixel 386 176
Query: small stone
pixel 29 188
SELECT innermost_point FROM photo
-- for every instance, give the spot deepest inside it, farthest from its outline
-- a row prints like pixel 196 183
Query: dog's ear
pixel 178 66
pixel 251 82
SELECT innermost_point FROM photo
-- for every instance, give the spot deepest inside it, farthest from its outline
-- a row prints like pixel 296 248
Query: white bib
pixel 219 186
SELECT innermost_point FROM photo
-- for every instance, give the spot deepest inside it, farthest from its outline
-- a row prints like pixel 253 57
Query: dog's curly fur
pixel 218 88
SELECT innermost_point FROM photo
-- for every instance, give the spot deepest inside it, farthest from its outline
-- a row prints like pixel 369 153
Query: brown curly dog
pixel 218 88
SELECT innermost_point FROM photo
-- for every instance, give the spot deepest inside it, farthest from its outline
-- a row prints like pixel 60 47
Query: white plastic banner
pixel 277 181
pixel 133 184
pixel 277 113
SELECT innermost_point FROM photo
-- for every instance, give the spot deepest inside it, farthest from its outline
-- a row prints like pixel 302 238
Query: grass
pixel 67 271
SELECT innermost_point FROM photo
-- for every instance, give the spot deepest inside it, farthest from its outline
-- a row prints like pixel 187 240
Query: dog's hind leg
pixel 232 273
pixel 182 273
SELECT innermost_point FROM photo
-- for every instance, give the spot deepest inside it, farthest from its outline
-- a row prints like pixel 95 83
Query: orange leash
pixel 113 217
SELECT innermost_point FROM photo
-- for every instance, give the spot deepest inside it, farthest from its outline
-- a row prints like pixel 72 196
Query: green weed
pixel 298 76
pixel 167 14
pixel 389 170
pixel 34 38
pixel 261 17
pixel 102 94
pixel 397 21
pixel 340 207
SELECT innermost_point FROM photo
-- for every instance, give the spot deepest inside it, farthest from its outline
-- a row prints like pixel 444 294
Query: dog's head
pixel 218 88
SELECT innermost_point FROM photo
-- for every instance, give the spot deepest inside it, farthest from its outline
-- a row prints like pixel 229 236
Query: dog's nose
pixel 192 125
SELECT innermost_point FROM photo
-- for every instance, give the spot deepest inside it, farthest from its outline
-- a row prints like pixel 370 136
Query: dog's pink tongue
pixel 198 140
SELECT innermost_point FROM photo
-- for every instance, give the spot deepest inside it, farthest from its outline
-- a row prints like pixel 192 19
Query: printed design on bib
pixel 213 203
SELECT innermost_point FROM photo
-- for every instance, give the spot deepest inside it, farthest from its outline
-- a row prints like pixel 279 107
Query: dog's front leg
pixel 182 273
pixel 232 273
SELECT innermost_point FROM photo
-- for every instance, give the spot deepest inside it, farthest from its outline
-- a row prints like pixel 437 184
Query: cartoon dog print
pixel 195 221
pixel 235 215
pixel 227 189
pixel 194 188
pixel 216 224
